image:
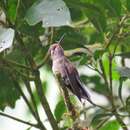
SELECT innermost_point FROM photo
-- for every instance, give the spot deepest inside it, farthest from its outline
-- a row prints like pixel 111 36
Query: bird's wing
pixel 71 78
pixel 74 82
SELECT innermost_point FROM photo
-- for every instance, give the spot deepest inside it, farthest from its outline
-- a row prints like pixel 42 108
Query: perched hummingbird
pixel 67 71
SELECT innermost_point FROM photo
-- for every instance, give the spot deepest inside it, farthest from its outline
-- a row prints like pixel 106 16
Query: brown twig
pixel 68 103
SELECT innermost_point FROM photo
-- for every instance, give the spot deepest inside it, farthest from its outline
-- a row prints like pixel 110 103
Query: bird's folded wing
pixel 75 84
pixel 71 78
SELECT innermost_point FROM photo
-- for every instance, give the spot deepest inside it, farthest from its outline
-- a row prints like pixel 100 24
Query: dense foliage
pixel 97 38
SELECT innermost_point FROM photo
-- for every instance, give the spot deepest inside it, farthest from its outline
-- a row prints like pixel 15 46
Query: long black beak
pixel 61 39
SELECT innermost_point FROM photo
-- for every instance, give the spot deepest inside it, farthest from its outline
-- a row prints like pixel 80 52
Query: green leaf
pixel 111 125
pixel 59 110
pixel 51 13
pixel 8 93
pixel 128 5
pixel 115 75
pixel 12 9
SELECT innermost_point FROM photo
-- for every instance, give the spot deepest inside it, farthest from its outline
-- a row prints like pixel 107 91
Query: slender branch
pixel 44 102
pixel 31 95
pixel 123 125
pixel 34 104
pixel 110 74
pixel 95 69
pixel 68 103
pixel 104 74
pixel 19 120
pixel 17 64
pixel 120 90
pixel 34 113
pixel 24 97
pixel 122 59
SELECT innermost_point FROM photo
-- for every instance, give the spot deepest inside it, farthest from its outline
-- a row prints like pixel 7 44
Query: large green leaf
pixel 115 75
pixel 111 125
pixel 12 9
pixel 8 92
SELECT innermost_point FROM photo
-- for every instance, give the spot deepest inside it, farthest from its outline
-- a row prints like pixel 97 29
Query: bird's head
pixel 56 51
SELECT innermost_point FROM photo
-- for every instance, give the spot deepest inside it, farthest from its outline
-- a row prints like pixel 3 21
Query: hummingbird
pixel 62 66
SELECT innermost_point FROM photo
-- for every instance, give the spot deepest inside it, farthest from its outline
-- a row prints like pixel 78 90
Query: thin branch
pixel 44 102
pixel 31 95
pixel 114 109
pixel 110 74
pixel 28 104
pixel 96 105
pixel 104 74
pixel 69 105
pixel 95 69
pixel 17 64
pixel 19 120
pixel 34 104
pixel 120 91
pixel 24 97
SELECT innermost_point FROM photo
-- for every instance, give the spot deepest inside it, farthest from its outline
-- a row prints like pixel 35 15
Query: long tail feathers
pixel 83 92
